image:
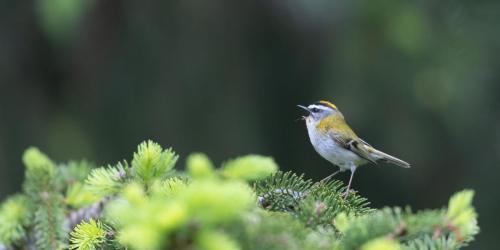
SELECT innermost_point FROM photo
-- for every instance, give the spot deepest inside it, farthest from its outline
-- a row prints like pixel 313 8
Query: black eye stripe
pixel 315 110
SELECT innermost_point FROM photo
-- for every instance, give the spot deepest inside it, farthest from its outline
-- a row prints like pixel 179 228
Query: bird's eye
pixel 315 110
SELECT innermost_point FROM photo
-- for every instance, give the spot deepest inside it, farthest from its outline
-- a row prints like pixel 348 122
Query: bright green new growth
pixel 151 161
pixel 78 196
pixel 200 166
pixel 211 240
pixel 88 235
pixel 250 167
pixel 382 243
pixel 105 181
pixel 169 187
pixel 244 204
pixel 207 202
pixel 461 215
pixel 15 215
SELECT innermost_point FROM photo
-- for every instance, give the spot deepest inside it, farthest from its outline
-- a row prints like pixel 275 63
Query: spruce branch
pixel 78 196
pixel 461 217
pixel 282 191
pixel 316 204
pixel 200 166
pixel 325 200
pixel 49 222
pixel 15 216
pixel 151 161
pixel 106 181
pixel 250 168
pixel 432 229
pixel 431 242
pixel 381 244
pixel 93 211
pixel 169 187
pixel 89 235
pixel 152 206
pixel 263 229
pixel 75 171
pixel 213 240
pixel 40 174
pixel 44 188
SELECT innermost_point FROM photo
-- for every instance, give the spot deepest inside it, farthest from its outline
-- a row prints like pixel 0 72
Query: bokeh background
pixel 418 79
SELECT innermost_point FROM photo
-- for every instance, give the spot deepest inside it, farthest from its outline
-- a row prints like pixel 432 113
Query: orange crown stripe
pixel 329 104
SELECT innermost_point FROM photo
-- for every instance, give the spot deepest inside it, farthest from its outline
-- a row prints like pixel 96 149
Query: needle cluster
pixel 245 203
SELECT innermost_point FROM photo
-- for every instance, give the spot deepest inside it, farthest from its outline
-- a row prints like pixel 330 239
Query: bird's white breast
pixel 324 144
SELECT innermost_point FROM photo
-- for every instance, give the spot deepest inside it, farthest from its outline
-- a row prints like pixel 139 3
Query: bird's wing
pixel 364 142
pixel 357 146
pixel 370 153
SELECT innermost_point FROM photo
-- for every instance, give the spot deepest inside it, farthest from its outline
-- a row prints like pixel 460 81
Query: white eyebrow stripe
pixel 318 107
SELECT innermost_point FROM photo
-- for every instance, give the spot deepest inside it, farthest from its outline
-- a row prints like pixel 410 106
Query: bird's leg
pixel 353 169
pixel 326 179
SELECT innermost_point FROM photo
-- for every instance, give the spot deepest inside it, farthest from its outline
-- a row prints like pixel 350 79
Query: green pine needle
pixel 75 171
pixel 151 161
pixel 15 215
pixel 282 191
pixel 49 222
pixel 250 168
pixel 40 173
pixel 78 195
pixel 199 166
pixel 106 181
pixel 88 235
pixel 153 206
pixel 316 204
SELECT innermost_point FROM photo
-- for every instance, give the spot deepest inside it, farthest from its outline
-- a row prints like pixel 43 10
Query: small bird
pixel 335 141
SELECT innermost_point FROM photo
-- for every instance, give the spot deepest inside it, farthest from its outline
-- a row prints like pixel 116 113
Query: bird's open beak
pixel 306 109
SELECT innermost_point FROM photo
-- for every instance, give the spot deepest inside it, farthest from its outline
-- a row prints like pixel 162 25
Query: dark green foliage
pixel 431 229
pixel 276 230
pixel 325 201
pixel 315 204
pixel 75 171
pixel 378 224
pixel 41 175
pixel 44 189
pixel 282 191
pixel 244 204
pixel 49 223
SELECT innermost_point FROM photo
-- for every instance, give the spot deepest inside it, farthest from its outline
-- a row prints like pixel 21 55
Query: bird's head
pixel 320 110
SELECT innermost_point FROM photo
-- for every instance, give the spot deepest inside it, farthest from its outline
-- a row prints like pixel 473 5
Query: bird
pixel 334 140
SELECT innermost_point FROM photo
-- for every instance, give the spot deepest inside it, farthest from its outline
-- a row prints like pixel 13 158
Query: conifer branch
pixel 244 204
pixel 93 211
pixel 151 161
pixel 15 215
pixel 106 181
pixel 89 235
pixel 43 188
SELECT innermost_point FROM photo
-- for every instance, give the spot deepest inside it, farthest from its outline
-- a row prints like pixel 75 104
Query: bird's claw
pixel 346 193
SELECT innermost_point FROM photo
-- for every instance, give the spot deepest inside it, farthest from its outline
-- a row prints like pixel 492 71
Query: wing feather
pixel 357 146
pixel 366 151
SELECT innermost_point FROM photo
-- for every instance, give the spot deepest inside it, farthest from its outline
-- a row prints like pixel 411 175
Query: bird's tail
pixel 391 159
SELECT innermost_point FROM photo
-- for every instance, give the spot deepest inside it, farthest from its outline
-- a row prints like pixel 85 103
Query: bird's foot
pixel 350 191
pixel 328 178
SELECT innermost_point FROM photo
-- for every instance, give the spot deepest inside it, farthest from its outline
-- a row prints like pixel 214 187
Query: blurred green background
pixel 417 79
